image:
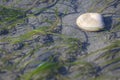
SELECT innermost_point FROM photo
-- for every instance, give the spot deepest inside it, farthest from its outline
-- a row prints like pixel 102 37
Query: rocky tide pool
pixel 40 40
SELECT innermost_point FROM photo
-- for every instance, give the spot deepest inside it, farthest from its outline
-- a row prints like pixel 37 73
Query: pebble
pixel 90 22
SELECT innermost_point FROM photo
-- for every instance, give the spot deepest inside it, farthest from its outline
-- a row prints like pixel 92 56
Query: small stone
pixel 18 46
pixel 4 31
pixel 90 22
pixel 62 70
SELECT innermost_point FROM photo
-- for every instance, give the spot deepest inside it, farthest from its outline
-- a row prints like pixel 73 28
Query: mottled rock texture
pixel 44 33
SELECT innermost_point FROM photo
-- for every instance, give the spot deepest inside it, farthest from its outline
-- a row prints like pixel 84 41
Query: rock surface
pixel 95 57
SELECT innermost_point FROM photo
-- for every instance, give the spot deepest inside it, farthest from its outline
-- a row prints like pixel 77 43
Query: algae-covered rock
pixel 40 40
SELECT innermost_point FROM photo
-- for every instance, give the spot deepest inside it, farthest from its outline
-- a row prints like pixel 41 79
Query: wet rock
pixel 18 46
pixel 7 76
pixel 47 39
pixel 51 77
pixel 68 11
pixel 62 70
pixel 58 29
pixel 4 32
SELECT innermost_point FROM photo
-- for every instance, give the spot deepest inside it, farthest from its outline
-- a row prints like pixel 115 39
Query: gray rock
pixel 68 11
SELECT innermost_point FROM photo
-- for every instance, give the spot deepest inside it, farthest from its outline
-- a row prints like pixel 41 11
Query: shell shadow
pixel 107 22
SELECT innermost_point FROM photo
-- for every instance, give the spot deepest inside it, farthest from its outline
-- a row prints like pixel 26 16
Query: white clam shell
pixel 90 21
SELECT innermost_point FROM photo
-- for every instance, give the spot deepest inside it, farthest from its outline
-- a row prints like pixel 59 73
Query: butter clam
pixel 90 21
